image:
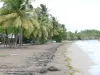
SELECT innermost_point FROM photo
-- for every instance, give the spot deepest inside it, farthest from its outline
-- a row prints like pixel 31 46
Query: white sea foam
pixel 92 48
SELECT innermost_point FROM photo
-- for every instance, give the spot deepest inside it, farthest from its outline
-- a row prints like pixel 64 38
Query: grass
pixel 4 55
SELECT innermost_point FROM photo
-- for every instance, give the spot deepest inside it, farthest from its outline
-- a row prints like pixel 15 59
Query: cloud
pixel 75 14
pixel 1 5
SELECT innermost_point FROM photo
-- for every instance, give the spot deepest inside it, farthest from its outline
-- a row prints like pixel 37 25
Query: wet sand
pixel 59 61
pixel 80 60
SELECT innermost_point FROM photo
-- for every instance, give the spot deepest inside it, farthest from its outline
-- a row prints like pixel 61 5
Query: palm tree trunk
pixel 21 37
pixel 16 38
pixel 6 41
pixel 12 40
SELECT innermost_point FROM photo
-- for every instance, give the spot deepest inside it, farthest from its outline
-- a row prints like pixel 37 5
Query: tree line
pixel 20 22
pixel 19 19
pixel 84 35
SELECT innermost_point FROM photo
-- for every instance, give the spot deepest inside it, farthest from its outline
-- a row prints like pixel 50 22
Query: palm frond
pixel 5 11
pixel 44 28
pixel 12 4
pixel 40 33
pixel 55 32
pixel 35 23
pixel 27 24
pixel 7 23
pixel 7 17
pixel 35 33
pixel 46 34
pixel 18 22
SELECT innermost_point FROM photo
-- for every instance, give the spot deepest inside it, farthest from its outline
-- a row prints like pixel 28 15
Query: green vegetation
pixel 71 69
pixel 21 20
pixel 4 55
pixel 84 35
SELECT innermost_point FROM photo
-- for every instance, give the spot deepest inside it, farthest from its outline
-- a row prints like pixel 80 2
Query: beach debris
pixel 52 68
pixel 20 73
pixel 14 54
pixel 43 70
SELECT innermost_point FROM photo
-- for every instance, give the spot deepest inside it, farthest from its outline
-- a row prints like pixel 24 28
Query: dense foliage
pixel 21 22
pixel 84 35
pixel 19 18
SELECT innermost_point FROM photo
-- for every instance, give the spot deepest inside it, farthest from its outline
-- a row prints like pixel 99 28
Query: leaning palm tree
pixel 18 13
pixel 44 21
pixel 55 26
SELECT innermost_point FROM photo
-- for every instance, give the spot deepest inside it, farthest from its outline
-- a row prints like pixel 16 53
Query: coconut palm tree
pixel 55 26
pixel 18 13
pixel 45 25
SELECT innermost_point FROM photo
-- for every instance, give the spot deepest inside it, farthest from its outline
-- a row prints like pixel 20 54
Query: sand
pixel 59 61
pixel 31 57
pixel 80 60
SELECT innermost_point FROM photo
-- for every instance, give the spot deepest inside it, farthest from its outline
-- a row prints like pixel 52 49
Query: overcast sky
pixel 75 14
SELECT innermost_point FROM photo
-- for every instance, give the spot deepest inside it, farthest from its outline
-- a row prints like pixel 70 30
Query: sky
pixel 75 14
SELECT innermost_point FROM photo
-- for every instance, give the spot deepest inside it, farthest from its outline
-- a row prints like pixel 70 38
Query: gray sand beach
pixel 80 60
pixel 35 60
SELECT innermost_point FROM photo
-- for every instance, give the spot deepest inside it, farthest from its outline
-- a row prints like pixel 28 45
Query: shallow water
pixel 92 48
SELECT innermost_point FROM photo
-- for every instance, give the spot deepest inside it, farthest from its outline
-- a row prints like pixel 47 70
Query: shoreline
pixel 59 60
pixel 80 60
pixel 57 54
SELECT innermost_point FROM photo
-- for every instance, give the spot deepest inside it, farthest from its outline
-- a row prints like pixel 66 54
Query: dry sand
pixel 30 59
pixel 80 60
pixel 59 61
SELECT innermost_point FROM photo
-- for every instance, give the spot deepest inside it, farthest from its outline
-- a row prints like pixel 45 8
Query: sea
pixel 92 49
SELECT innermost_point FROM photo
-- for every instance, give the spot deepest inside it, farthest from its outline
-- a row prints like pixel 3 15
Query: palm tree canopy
pixel 44 22
pixel 20 12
